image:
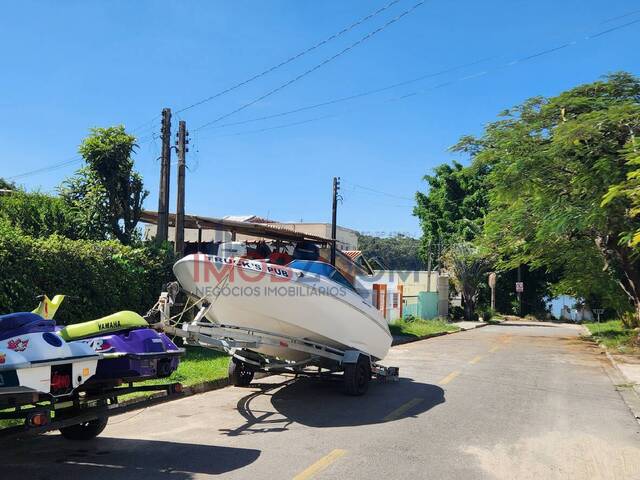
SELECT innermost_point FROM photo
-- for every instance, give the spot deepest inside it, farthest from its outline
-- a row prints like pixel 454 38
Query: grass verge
pixel 614 336
pixel 420 328
pixel 198 365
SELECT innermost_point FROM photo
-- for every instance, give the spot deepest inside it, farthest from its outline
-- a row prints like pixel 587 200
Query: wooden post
pixel 334 214
pixel 162 231
pixel 182 152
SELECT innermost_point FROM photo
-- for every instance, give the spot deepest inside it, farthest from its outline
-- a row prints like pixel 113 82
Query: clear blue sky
pixel 71 65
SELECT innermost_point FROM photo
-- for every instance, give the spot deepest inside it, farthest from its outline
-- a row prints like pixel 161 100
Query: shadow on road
pixel 321 403
pixel 51 456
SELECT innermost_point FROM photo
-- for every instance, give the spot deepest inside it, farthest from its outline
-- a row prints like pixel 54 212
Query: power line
pixel 275 67
pixel 292 58
pixel 276 127
pixel 352 97
pixel 419 92
pixel 49 168
pixel 314 68
pixel 620 17
pixel 57 166
pixel 612 29
pixel 380 192
pixel 441 85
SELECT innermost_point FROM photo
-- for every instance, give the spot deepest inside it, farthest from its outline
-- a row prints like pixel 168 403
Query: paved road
pixel 500 402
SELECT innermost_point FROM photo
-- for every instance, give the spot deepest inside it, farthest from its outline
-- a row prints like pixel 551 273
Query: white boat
pixel 34 359
pixel 307 299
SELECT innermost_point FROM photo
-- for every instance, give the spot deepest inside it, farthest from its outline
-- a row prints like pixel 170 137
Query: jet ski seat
pixel 118 321
pixel 20 323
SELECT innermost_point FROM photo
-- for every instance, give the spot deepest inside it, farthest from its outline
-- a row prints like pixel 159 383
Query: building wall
pixel 414 284
pixel 413 281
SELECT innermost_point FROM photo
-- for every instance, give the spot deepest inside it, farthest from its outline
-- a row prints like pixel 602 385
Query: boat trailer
pixel 358 367
pixel 82 415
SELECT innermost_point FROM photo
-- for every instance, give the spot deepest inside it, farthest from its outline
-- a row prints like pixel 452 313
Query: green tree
pixel 468 267
pixel 399 252
pixel 629 190
pixel 106 194
pixel 6 184
pixel 551 162
pixel 454 206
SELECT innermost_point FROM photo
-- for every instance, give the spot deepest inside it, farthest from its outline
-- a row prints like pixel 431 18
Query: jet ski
pixel 130 350
pixel 35 361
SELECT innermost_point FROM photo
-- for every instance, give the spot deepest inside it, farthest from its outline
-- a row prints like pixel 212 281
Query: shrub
pixel 98 277
pixel 37 214
pixel 487 314
pixel 630 320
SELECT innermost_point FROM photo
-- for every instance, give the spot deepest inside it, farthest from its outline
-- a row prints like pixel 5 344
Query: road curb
pixel 196 389
pixel 621 383
pixel 403 341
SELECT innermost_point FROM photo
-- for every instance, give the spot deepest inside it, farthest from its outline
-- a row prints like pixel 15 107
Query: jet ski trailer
pixel 240 342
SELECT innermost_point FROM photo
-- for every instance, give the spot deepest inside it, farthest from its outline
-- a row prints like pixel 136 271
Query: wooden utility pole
pixel 334 214
pixel 519 292
pixel 182 152
pixel 162 232
pixel 492 286
pixel 429 266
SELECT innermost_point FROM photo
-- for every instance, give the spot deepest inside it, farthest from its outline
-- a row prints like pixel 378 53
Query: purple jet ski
pixel 131 350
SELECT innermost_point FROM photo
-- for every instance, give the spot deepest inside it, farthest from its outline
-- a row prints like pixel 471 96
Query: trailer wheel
pixel 240 374
pixel 356 377
pixel 85 430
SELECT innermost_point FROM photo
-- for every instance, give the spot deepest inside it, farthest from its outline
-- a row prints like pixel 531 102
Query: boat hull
pixel 284 301
pixel 135 355
pixel 29 362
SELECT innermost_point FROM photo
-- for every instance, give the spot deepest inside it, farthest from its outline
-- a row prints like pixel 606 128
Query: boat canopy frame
pixel 258 230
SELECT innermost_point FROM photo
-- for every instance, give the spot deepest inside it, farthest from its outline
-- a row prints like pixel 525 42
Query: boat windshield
pixel 321 268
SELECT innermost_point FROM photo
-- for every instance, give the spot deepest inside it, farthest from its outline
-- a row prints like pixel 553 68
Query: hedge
pixel 98 277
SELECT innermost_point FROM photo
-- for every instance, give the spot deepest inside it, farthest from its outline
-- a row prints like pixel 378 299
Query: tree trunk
pixel 622 259
pixel 468 309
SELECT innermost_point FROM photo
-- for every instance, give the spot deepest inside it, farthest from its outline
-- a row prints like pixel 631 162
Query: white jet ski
pixel 306 299
pixel 35 360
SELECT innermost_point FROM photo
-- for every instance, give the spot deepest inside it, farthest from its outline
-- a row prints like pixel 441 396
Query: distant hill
pixel 398 252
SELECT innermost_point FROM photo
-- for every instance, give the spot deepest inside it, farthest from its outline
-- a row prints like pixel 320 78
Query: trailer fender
pixel 351 356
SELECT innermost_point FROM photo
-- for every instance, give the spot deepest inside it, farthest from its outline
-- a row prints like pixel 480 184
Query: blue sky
pixel 72 65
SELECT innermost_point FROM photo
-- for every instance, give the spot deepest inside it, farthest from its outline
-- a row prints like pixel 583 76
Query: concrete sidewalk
pixel 463 326
pixel 469 325
pixel 629 366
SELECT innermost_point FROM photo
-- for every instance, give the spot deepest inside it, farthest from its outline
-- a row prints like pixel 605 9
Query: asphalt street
pixel 510 401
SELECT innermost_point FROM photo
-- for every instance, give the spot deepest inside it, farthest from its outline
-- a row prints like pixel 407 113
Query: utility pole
pixel 492 285
pixel 162 232
pixel 429 266
pixel 519 292
pixel 334 213
pixel 182 153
